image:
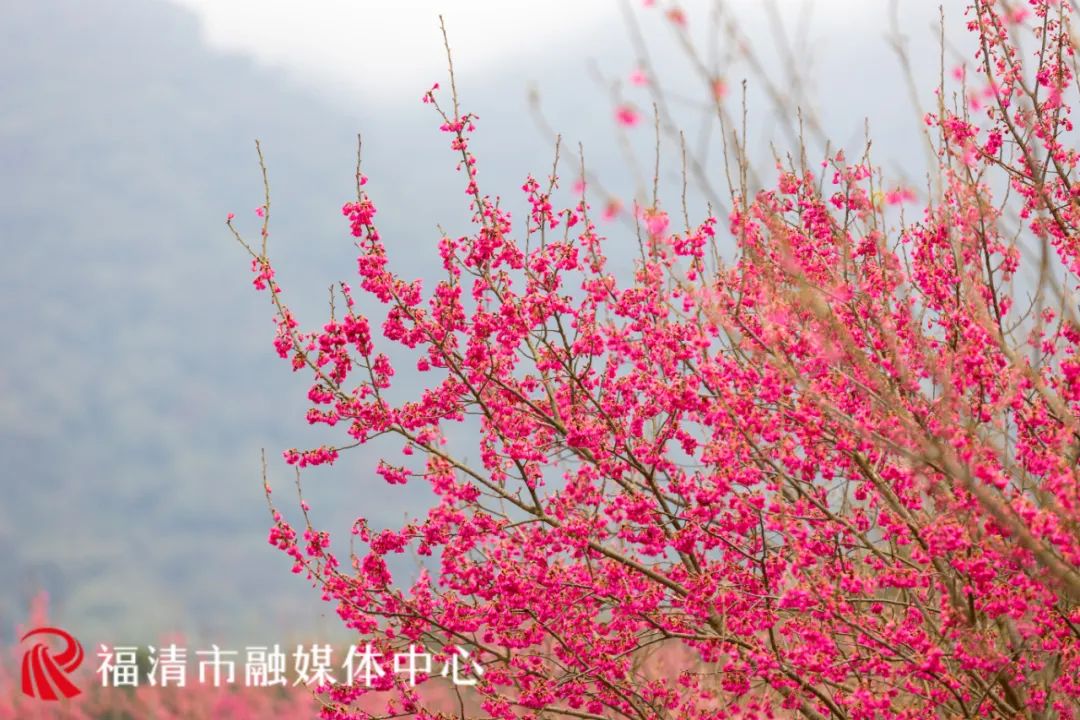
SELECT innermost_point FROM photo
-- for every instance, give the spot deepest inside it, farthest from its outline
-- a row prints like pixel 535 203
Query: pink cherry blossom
pixel 627 116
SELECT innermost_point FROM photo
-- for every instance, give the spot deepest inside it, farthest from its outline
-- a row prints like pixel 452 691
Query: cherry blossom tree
pixel 834 477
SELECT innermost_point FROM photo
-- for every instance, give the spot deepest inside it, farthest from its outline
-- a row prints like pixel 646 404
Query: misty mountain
pixel 138 384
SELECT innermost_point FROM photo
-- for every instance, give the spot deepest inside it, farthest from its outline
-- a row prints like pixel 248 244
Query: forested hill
pixel 137 383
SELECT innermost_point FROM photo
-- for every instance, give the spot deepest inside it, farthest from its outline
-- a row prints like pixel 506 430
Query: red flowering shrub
pixel 836 477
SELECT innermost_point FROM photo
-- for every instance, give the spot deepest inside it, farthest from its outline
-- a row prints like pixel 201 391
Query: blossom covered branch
pixel 836 477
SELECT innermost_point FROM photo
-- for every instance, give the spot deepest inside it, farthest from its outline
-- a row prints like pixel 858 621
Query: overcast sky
pixel 337 43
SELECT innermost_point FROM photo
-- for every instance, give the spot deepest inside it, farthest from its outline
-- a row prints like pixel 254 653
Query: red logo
pixel 44 675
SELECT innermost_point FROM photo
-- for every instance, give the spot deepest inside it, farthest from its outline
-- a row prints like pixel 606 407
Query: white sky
pixel 393 48
pixel 391 51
